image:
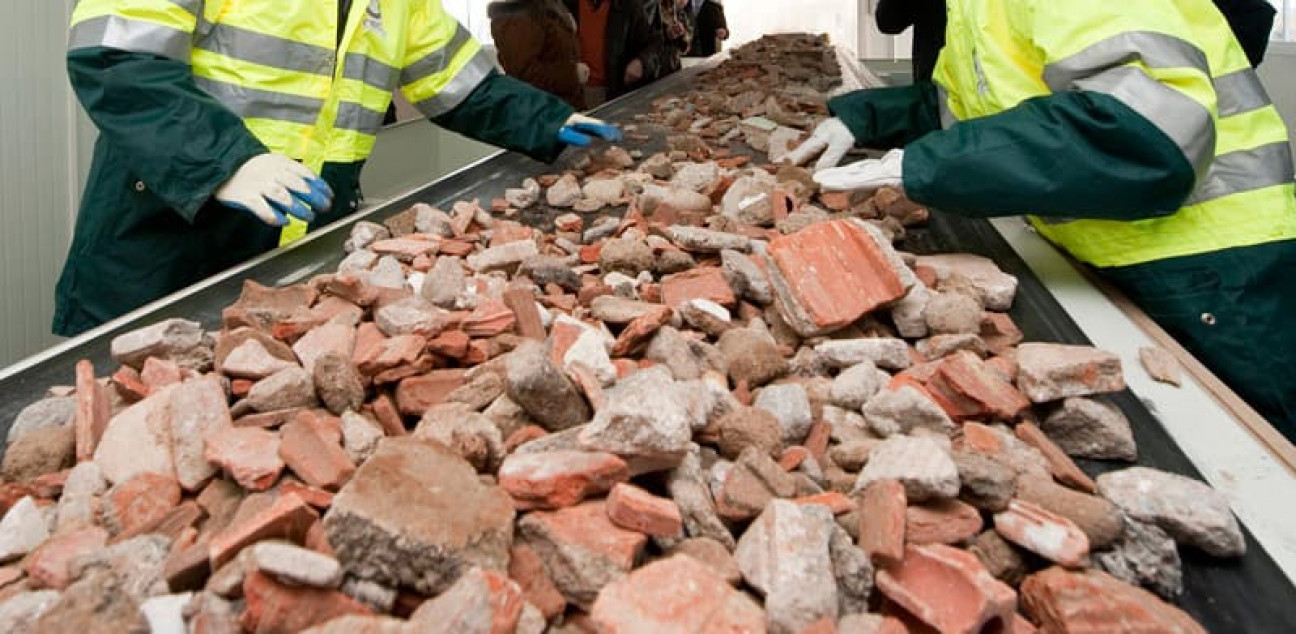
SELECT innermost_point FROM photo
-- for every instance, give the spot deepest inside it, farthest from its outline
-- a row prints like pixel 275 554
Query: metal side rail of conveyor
pixel 1250 594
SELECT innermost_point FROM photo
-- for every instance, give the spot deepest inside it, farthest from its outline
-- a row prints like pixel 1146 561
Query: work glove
pixel 866 174
pixel 272 187
pixel 581 130
pixel 831 137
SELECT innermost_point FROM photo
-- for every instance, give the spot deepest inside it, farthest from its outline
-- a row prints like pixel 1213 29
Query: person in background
pixel 927 17
pixel 673 24
pixel 1138 138
pixel 1252 22
pixel 226 129
pixel 618 44
pixel 709 27
pixel 536 42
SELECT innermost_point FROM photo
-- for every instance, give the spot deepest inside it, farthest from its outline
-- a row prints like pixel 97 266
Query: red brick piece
pixel 967 374
pixel 882 522
pixel 633 508
pixel 700 283
pixel 287 517
pixel 528 571
pixel 417 394
pixel 522 437
pixel 1060 465
pixel 523 304
pixel 390 420
pixel 948 589
pixel 638 332
pixel 490 318
pixel 835 272
pixel 559 479
pixel 1046 534
pixel 159 373
pixel 276 608
pixel 792 457
pixel 1092 601
pixel 836 502
pixel 50 565
pixel 586 527
pixel 678 595
pixel 404 249
pixel 248 454
pixel 313 453
pixel 92 411
pixel 318 498
pixel 139 502
pixel 128 384
pixel 942 522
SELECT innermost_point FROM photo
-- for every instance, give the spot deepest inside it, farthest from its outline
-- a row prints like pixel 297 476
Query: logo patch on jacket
pixel 373 19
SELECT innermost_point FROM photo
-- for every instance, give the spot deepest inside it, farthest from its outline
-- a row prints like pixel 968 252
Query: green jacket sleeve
pixel 507 113
pixel 180 142
pixel 884 118
pixel 1073 154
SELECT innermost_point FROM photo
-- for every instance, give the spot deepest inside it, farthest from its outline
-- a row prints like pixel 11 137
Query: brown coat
pixel 536 43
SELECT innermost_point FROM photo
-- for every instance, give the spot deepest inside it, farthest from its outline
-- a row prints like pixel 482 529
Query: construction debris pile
pixel 716 400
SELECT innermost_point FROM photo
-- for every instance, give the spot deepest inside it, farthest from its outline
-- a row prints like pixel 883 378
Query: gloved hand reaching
pixel 580 130
pixel 866 174
pixel 272 187
pixel 831 137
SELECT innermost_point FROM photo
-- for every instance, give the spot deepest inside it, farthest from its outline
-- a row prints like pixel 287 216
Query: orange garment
pixel 593 39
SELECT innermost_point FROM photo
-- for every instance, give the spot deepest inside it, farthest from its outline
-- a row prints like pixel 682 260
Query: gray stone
pixel 165 614
pixel 471 435
pixel 701 240
pixel 645 421
pixel 791 406
pixel 19 612
pixel 856 385
pixel 363 234
pixel 387 273
pixel 953 313
pixel 503 257
pixel 1190 511
pixel 1052 371
pixel 416 515
pixel 285 389
pixel 563 193
pixel 137 562
pixel 1145 556
pixel 686 358
pixel 409 316
pixel 445 283
pixel 688 488
pixel 360 436
pixel 903 410
pixel 295 565
pixel 853 571
pixel 338 383
pixel 539 387
pixel 751 356
pixel 785 555
pixel 921 464
pixel 547 269
pixel 996 287
pixel 1086 428
pixel 36 453
pixel 940 346
pixel 706 316
pixel 986 484
pixel 626 255
pixel 378 597
pixel 179 340
pixel 24 527
pixel 746 277
pixel 886 353
pixel 55 411
pixel 198 408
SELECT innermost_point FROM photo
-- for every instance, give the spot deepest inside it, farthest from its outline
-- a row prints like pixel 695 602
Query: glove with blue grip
pixel 273 187
pixel 580 130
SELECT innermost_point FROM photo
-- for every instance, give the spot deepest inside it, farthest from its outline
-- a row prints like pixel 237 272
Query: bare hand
pixel 582 73
pixel 634 71
pixel 722 34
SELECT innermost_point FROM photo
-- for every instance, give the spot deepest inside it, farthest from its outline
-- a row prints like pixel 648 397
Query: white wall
pixel 749 19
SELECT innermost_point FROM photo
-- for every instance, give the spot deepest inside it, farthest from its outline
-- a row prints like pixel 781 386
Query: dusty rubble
pixel 726 410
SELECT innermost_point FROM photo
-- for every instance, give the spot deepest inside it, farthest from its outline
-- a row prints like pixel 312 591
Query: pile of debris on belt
pixel 714 400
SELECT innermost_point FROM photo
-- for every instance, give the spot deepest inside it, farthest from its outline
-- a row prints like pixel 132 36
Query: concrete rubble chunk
pixel 903 410
pixel 1064 601
pixel 885 353
pixel 338 383
pixel 930 577
pixel 24 528
pixel 558 479
pixel 360 436
pixel 581 548
pixel 791 406
pixel 198 409
pixel 746 277
pixel 524 197
pixel 410 316
pixel 179 340
pixel 1145 556
pixel 748 199
pixel 277 608
pixel 503 257
pixel 79 503
pixel 677 595
pixel 480 602
pixel 853 571
pixel 55 411
pixel 563 193
pixel 540 388
pixel 1189 510
pixel 19 612
pixel 752 482
pixel 688 487
pixel 856 385
pixel 618 310
pixel 251 360
pixel 332 337
pixel 751 356
pixel 1087 428
pixel 626 255
pixel 645 421
pixel 701 240
pixel 952 313
pixel 986 483
pixel 1051 371
pixel 165 614
pixel 296 565
pixel 908 313
pixel 387 273
pixel 445 285
pixel 1003 560
pixel 997 288
pixel 249 455
pixel 633 508
pixel 97 603
pixel 471 435
pixel 1050 536
pixel 706 315
pixel 785 555
pixel 137 562
pixel 922 465
pixel 363 234
pixel 1100 520
pixel 685 357
pixel 713 555
pixel 138 440
pixel 36 453
pixel 285 389
pixel 750 427
pixel 416 515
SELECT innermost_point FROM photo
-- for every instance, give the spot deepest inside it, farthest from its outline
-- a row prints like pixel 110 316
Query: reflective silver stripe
pixel 136 36
pixel 459 88
pixel 1239 92
pixel 947 118
pixel 370 71
pixel 436 61
pixel 1185 121
pixel 267 50
pixel 1245 170
pixel 353 116
pixel 262 104
pixel 1155 50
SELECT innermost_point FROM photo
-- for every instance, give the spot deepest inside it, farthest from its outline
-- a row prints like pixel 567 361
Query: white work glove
pixel 864 175
pixel 582 73
pixel 831 137
pixel 272 187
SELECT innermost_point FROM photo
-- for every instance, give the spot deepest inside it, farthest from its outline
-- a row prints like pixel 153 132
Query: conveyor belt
pixel 1250 594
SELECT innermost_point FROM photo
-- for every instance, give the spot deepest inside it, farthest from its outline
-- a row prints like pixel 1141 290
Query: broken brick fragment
pixel 948 589
pixel 633 508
